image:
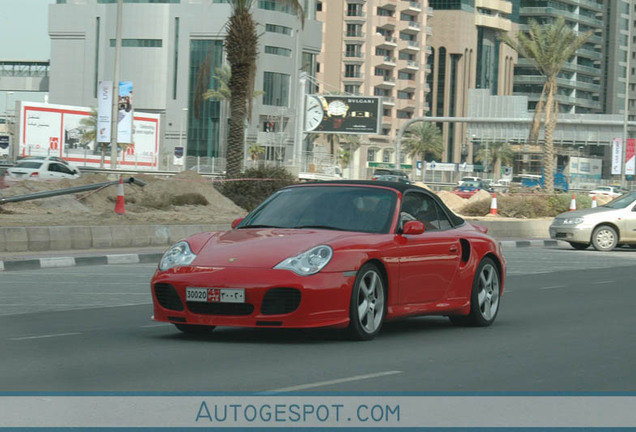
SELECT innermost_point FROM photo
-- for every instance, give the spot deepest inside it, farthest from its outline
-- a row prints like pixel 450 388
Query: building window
pixel 285 52
pixel 275 6
pixel 276 88
pixel 352 89
pixel 273 28
pixel 386 154
pixel 352 71
pixel 139 43
pixel 354 9
pixel 371 155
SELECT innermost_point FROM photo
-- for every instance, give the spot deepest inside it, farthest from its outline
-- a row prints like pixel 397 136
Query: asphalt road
pixel 566 325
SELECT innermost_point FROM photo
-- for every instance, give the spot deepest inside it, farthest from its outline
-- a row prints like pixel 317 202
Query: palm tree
pixel 241 47
pixel 423 139
pixel 497 153
pixel 549 47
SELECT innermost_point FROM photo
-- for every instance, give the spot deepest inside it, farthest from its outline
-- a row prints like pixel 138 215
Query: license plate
pixel 215 295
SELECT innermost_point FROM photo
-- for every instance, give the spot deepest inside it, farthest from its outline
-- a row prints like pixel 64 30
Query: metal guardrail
pixel 66 191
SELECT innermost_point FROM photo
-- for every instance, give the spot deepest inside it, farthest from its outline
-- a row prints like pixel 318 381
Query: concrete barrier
pixel 59 238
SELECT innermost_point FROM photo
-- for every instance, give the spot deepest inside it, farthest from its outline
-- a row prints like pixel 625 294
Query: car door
pixel 628 228
pixel 428 261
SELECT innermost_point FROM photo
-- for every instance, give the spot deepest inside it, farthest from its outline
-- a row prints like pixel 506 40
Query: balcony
pixel 387 4
pixel 410 46
pixel 354 35
pixel 381 41
pixel 354 57
pixel 353 77
pixel 387 22
pixel 405 105
pixel 410 65
pixel 388 100
pixel 411 27
pixel 383 82
pixel 498 5
pixel 414 6
pixel 360 16
pixel 494 22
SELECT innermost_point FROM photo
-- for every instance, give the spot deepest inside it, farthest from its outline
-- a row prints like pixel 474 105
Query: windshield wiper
pixel 259 226
pixel 327 227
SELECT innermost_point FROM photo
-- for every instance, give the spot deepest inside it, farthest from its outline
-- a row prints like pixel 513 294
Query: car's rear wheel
pixel 367 307
pixel 604 238
pixel 194 329
pixel 484 297
pixel 579 246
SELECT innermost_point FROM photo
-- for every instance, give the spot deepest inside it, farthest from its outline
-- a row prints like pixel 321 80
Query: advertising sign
pixel 57 130
pixel 125 112
pixel 630 161
pixel 617 155
pixel 342 114
pixel 104 111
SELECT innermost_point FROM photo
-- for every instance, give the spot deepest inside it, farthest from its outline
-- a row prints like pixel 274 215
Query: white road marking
pixel 552 287
pixel 603 282
pixel 44 336
pixel 336 381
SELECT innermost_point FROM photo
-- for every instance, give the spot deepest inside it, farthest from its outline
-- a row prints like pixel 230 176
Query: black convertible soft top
pixel 400 187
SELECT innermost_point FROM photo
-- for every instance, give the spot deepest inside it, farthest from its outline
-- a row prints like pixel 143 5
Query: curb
pixel 56 262
pixel 154 257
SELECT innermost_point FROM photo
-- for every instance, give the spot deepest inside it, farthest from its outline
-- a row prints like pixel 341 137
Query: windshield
pixel 29 164
pixel 347 208
pixel 622 202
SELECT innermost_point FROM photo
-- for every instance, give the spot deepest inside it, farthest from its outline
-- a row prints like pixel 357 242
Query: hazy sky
pixel 24 30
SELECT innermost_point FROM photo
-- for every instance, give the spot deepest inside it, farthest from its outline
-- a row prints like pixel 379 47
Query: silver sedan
pixel 605 227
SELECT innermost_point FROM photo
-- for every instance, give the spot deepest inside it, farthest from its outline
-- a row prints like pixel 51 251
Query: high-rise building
pixel 466 54
pixel 615 57
pixel 376 48
pixel 164 43
pixel 580 80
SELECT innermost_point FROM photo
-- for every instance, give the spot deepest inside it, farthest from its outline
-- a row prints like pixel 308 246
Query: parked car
pixel 42 169
pixel 72 166
pixel 605 227
pixel 467 179
pixel 611 191
pixel 470 188
pixel 388 177
pixel 386 171
pixel 343 254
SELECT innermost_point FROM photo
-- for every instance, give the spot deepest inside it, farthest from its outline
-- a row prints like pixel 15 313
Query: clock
pixel 314 112
pixel 337 108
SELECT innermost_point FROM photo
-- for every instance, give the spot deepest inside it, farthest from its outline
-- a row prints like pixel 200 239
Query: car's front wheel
pixel 579 246
pixel 484 298
pixel 367 307
pixel 194 329
pixel 604 238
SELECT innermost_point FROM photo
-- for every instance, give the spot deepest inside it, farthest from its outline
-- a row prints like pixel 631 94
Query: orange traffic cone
pixel 493 204
pixel 594 201
pixel 573 203
pixel 119 204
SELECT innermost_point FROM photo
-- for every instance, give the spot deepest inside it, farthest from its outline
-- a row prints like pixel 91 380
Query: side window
pixel 64 169
pixel 421 207
pixel 54 167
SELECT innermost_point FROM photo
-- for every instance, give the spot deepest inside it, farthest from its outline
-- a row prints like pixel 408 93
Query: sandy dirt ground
pixel 153 203
pixel 150 204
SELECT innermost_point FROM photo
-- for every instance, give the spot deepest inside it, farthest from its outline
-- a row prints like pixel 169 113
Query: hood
pixel 584 212
pixel 261 247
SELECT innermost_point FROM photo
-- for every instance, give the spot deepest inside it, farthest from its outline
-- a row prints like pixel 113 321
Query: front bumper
pixel 323 298
pixel 569 233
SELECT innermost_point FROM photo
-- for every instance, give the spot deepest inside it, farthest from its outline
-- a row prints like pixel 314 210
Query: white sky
pixel 24 30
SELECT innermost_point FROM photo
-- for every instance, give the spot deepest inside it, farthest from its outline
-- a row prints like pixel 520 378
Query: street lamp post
pixel 184 113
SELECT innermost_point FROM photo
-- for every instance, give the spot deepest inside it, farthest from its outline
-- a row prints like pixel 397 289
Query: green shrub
pixel 249 193
pixel 535 205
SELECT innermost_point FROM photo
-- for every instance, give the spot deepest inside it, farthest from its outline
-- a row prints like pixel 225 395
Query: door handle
pixel 453 248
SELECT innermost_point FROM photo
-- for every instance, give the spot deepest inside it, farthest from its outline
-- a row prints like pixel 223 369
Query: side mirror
pixel 413 228
pixel 235 222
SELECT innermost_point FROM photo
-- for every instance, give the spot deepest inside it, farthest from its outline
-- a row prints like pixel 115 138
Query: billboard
pixel 342 114
pixel 58 130
pixel 104 111
pixel 617 156
pixel 630 162
pixel 125 112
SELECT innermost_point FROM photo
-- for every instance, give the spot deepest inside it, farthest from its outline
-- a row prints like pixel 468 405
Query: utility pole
pixel 623 173
pixel 115 111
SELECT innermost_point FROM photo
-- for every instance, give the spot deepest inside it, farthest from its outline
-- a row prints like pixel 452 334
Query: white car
pixel 612 191
pixel 42 169
pixel 468 179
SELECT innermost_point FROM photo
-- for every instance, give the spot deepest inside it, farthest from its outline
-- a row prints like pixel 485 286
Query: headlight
pixel 309 262
pixel 179 254
pixel 573 221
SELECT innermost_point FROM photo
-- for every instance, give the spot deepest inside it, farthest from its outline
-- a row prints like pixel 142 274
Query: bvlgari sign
pixel 342 114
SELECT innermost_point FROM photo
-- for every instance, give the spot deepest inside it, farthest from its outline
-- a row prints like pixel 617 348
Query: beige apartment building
pixel 375 48
pixel 466 54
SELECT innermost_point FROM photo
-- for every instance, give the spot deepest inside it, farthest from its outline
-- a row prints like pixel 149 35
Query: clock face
pixel 337 108
pixel 313 114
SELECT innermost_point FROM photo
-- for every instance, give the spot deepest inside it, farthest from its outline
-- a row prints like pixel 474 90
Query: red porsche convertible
pixel 347 254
